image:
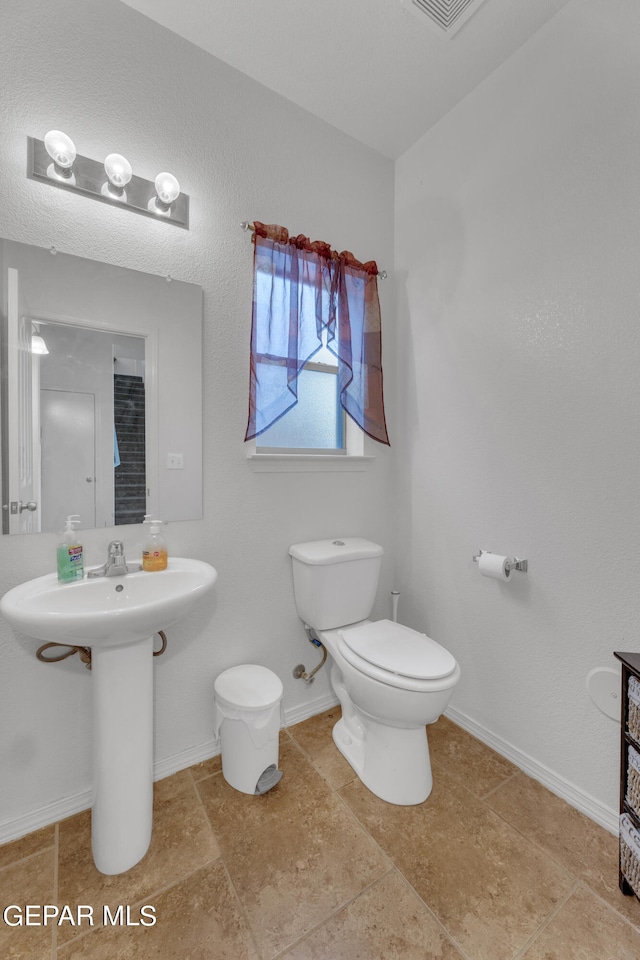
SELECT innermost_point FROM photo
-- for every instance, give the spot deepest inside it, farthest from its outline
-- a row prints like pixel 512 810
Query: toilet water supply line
pixel 300 672
pixel 85 652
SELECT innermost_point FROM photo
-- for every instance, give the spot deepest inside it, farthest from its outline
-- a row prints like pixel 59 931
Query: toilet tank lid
pixel 335 551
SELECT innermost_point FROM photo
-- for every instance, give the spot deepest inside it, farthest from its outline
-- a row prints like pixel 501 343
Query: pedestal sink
pixel 117 617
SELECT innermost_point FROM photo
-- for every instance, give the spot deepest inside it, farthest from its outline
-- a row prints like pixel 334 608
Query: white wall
pixel 518 244
pixel 115 81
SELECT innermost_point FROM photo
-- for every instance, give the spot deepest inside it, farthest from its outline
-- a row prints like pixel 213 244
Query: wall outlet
pixel 175 461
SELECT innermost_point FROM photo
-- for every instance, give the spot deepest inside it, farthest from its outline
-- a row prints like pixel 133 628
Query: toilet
pixel 390 680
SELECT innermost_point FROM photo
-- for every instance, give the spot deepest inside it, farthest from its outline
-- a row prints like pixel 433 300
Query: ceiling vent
pixel 444 16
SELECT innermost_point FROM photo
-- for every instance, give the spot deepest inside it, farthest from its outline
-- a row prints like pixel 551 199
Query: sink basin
pixel 117 617
pixel 107 611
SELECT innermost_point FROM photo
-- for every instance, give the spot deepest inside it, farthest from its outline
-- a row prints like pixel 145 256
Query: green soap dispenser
pixel 70 559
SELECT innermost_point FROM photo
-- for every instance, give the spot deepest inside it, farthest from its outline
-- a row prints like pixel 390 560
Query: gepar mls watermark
pixel 80 915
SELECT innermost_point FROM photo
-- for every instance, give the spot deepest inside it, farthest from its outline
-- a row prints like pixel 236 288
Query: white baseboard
pixel 69 806
pixel 44 816
pixel 562 788
pixel 298 714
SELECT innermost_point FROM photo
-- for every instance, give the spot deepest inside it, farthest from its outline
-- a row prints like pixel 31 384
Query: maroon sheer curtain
pixel 300 289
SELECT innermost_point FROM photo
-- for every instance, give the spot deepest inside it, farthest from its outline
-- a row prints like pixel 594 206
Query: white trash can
pixel 248 703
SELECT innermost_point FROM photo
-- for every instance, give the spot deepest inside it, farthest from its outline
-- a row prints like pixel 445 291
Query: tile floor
pixel 491 867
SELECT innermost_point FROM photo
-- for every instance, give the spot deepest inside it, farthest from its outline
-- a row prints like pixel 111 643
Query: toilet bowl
pixel 384 713
pixel 391 681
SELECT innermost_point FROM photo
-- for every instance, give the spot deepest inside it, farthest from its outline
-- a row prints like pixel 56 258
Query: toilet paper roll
pixel 491 565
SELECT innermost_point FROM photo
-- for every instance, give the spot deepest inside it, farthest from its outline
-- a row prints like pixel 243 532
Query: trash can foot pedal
pixel 268 779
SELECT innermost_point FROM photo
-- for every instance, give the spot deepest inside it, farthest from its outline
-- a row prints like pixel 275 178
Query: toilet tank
pixel 335 581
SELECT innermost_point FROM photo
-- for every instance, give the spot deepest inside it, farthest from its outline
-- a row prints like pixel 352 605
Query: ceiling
pixel 371 68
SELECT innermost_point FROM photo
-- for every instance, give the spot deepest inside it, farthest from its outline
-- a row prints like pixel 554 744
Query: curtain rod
pixel 247 225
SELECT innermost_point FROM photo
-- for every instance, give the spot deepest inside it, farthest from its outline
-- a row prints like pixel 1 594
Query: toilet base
pixel 392 762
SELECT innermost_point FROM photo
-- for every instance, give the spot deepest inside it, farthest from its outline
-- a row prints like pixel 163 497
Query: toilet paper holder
pixel 512 563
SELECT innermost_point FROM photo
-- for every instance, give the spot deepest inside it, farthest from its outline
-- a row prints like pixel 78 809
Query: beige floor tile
pixel 26 846
pixel 295 854
pixel 487 884
pixel 181 782
pixel 314 737
pixel 518 875
pixel 387 922
pixel 182 841
pixel 27 882
pixel 585 929
pixel 207 768
pixel 587 850
pixel 198 919
pixel 479 767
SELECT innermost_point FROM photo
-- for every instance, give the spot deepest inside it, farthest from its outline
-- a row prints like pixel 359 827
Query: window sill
pixel 306 463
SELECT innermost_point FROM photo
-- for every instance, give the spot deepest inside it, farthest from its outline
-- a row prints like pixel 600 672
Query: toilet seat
pixel 395 654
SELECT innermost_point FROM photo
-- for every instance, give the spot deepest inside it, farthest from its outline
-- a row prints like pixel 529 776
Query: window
pixel 316 423
pixel 316 374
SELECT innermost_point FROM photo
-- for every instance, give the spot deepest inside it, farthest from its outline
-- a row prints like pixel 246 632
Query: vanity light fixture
pixel 54 161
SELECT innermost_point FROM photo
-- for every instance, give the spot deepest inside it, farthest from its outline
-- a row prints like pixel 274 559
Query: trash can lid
pixel 249 686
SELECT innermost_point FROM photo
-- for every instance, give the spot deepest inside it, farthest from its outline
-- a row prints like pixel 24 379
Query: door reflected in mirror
pixel 92 407
pixel 102 393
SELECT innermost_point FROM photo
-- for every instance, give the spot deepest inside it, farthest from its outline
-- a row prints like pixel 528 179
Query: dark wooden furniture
pixel 630 668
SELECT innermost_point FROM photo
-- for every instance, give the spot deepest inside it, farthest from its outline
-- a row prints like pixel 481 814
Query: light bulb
pixel 60 148
pixel 167 188
pixel 62 151
pixel 118 170
pixel 38 345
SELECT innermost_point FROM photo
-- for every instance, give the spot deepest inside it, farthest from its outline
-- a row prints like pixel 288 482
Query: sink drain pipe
pixel 84 652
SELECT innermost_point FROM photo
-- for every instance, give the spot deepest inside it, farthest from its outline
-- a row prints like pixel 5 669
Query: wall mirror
pixel 101 402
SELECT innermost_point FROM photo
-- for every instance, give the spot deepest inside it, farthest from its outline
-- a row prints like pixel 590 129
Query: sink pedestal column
pixel 122 813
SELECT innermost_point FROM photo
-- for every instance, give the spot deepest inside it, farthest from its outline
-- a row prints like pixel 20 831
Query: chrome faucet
pixel 116 565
